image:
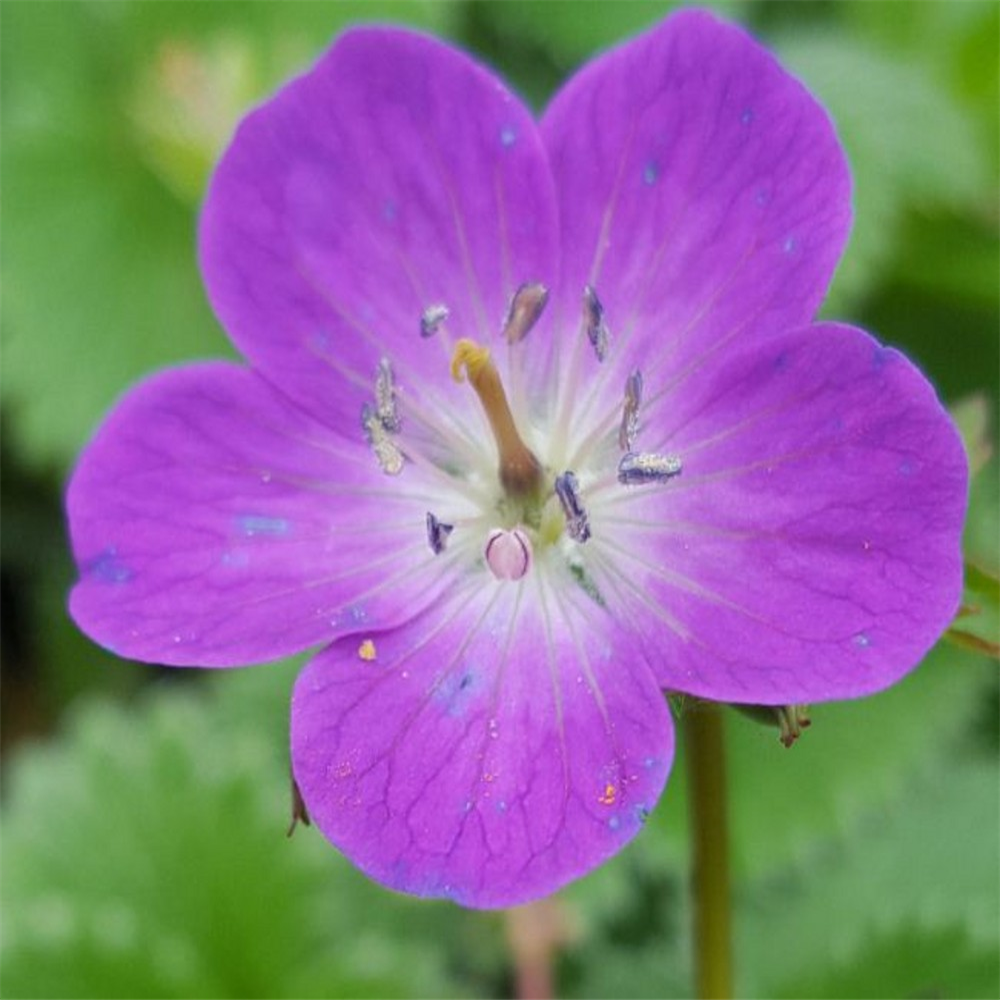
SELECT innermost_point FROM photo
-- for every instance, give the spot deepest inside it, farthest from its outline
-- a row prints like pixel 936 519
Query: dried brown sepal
pixel 299 812
pixel 790 719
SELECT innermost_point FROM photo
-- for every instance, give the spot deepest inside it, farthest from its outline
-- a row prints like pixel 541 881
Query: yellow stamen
pixel 520 472
pixel 366 651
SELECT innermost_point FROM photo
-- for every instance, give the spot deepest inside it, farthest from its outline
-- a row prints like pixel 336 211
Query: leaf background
pixel 144 811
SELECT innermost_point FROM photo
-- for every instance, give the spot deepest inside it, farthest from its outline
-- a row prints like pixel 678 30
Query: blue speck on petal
pixel 747 117
pixel 107 568
pixel 906 467
pixel 319 340
pixel 790 245
pixel 502 806
pixel 259 524
pixel 456 691
pixel 614 822
pixel 508 136
pixel 347 618
pixel 390 211
pixel 862 640
pixel 237 558
pixel 881 355
pixel 649 762
pixel 762 197
pixel 650 173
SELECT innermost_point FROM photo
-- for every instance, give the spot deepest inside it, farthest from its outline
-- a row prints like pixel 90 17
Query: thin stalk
pixel 535 933
pixel 704 740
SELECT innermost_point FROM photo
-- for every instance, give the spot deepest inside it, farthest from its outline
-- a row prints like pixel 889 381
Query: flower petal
pixel 489 752
pixel 702 192
pixel 810 548
pixel 396 175
pixel 215 524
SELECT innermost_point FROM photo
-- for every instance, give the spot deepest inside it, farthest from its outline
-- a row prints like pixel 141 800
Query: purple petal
pixel 488 752
pixel 397 175
pixel 215 524
pixel 702 192
pixel 810 548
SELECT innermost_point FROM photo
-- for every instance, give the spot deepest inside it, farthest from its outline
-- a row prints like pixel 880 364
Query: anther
pixel 386 451
pixel 508 553
pixel 568 491
pixel 526 305
pixel 639 468
pixel 385 397
pixel 520 472
pixel 594 322
pixel 432 318
pixel 437 533
pixel 630 411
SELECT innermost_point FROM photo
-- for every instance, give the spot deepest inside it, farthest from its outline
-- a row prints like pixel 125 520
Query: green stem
pixel 705 750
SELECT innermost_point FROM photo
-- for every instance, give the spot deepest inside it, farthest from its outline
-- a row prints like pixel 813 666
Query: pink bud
pixel 508 553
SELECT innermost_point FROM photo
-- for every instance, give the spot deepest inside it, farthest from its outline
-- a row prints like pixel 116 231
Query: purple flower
pixel 661 473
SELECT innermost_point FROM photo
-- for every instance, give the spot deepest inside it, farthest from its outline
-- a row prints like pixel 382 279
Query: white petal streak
pixel 555 680
pixel 628 592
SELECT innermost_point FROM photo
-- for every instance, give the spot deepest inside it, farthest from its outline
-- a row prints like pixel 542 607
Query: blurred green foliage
pixel 144 811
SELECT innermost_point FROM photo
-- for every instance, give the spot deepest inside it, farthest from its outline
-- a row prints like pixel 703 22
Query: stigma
pixel 519 470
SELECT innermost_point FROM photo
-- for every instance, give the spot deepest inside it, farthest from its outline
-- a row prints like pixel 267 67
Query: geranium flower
pixel 661 472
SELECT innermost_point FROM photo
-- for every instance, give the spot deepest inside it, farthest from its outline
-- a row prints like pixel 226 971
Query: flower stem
pixel 704 740
pixel 535 933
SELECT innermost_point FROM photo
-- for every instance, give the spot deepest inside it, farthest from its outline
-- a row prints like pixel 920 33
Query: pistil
pixel 520 471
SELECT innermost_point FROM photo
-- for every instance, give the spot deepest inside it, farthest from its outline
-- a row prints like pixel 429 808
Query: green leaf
pixel 145 856
pixel 909 962
pixel 952 257
pixel 908 141
pixel 112 115
pixel 853 757
pixel 972 416
pixel 958 42
pixel 982 525
pixel 574 32
pixel 920 869
pixel 977 626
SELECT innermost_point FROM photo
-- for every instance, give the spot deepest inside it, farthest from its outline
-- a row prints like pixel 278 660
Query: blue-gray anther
pixel 568 491
pixel 432 318
pixel 526 305
pixel 630 412
pixel 437 533
pixel 594 323
pixel 637 468
pixel 385 397
pixel 386 451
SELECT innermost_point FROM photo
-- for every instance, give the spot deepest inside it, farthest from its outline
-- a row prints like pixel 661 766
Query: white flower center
pixel 530 507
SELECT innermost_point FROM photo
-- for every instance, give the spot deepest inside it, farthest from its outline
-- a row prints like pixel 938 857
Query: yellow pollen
pixel 366 651
pixel 608 798
pixel 520 472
